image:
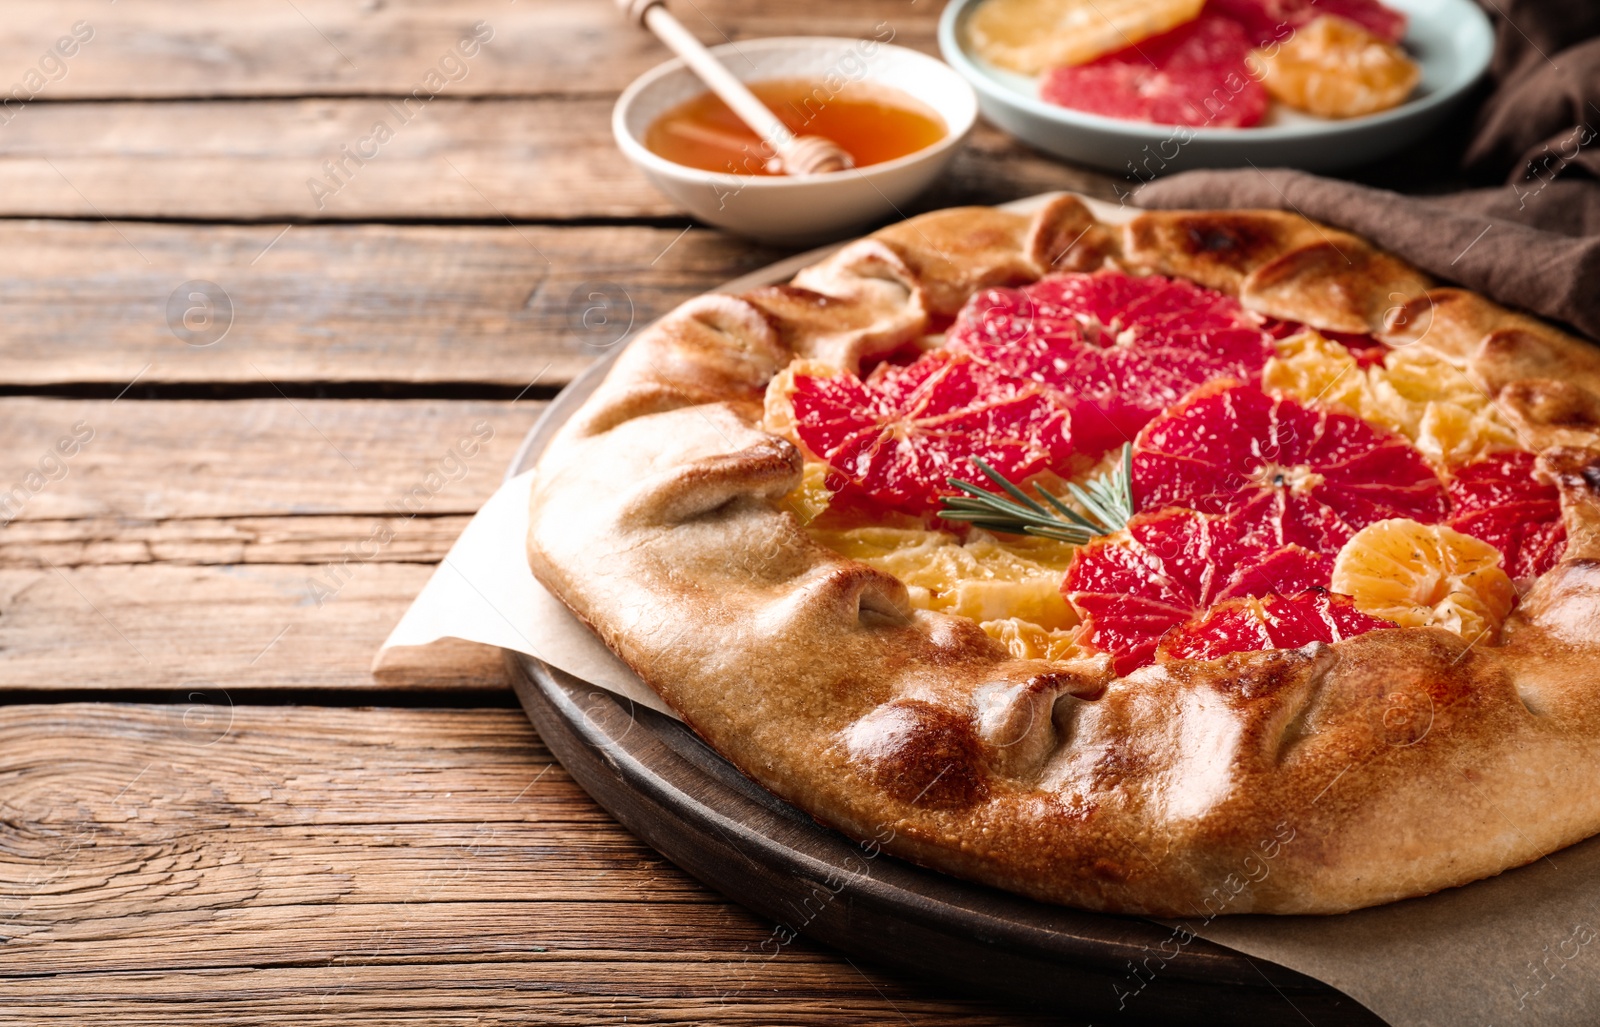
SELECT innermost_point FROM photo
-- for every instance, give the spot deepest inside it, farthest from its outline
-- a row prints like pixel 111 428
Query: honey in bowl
pixel 873 123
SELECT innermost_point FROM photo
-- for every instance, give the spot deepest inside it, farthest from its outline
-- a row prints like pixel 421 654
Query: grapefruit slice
pixel 1226 444
pixel 1167 567
pixel 897 438
pixel 1193 75
pixel 1426 575
pixel 1269 21
pixel 1120 349
pixel 1499 501
pixel 1271 622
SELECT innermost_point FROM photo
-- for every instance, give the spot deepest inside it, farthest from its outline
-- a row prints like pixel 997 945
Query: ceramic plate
pixel 1451 40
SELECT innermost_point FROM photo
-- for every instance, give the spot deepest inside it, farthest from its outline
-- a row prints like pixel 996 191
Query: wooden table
pixel 210 809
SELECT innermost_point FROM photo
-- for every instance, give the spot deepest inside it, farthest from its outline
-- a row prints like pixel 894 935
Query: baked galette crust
pixel 1313 780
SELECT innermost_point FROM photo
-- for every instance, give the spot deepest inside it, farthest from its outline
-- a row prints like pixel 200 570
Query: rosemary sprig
pixel 1108 500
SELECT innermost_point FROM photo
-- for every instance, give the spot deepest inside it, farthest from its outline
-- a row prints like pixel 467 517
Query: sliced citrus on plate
pixel 1425 575
pixel 1194 75
pixel 1335 68
pixel 1273 21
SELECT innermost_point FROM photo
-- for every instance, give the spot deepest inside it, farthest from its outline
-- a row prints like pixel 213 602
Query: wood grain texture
pixel 88 302
pixel 329 47
pixel 233 626
pixel 483 160
pixel 223 541
pixel 237 864
pixel 230 544
pixel 154 460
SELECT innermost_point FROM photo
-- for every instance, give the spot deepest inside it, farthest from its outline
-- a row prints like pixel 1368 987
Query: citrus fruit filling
pixel 1251 623
pixel 1119 349
pixel 1422 575
pixel 1227 443
pixel 1499 500
pixel 899 435
pixel 1281 486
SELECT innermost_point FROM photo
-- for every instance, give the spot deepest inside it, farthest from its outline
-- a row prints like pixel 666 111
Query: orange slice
pixel 1416 393
pixel 1032 36
pixel 1027 641
pixel 1334 68
pixel 984 578
pixel 1425 575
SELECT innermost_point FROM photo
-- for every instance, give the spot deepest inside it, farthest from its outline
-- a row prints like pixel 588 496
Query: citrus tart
pixel 1211 562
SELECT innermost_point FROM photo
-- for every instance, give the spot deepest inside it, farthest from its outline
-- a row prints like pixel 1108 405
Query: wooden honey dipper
pixel 797 155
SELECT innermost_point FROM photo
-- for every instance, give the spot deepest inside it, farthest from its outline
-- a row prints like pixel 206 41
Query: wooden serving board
pixel 671 790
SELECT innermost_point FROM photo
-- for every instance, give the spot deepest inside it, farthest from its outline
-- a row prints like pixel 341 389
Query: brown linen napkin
pixel 1532 243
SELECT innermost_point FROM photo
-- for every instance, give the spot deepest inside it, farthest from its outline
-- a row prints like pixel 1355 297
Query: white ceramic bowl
pixel 1450 39
pixel 812 208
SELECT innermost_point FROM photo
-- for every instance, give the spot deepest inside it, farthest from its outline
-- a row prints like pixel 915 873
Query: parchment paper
pixel 484 592
pixel 1520 950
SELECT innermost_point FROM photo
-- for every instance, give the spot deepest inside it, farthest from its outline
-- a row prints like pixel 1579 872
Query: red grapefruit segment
pixel 898 437
pixel 1225 444
pixel 1499 501
pixel 1268 21
pixel 1172 564
pixel 1120 349
pixel 1193 75
pixel 1270 622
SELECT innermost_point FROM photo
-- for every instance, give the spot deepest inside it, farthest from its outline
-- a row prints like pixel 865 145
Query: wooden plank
pixel 332 47
pixel 258 865
pixel 147 460
pixel 89 302
pixel 484 160
pixel 171 628
pixel 229 544
pixel 223 541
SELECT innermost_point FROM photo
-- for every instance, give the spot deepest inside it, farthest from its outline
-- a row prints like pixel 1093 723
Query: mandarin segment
pixel 1030 36
pixel 1425 575
pixel 1334 68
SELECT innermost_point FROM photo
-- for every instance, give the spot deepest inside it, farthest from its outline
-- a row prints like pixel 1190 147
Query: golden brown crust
pixel 1312 780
